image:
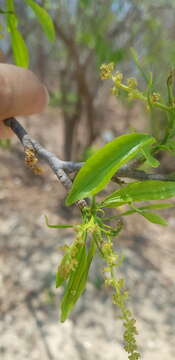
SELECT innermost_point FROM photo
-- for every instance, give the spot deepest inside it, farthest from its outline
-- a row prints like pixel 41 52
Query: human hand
pixel 21 94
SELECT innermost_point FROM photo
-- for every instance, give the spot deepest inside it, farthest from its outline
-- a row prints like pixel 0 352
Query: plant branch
pixel 62 168
pixel 140 175
pixel 58 166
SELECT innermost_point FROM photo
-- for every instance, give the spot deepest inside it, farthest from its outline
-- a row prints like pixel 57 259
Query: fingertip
pixel 41 100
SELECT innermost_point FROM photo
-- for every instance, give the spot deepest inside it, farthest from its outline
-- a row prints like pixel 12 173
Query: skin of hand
pixel 21 94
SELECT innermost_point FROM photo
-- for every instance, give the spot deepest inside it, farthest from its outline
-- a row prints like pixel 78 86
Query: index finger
pixel 21 94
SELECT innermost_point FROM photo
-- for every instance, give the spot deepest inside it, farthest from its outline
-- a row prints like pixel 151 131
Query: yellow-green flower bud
pixel 155 97
pixel 132 83
pixel 106 71
pixel 117 78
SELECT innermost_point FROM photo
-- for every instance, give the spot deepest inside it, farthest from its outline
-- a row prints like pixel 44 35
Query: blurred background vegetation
pixel 89 33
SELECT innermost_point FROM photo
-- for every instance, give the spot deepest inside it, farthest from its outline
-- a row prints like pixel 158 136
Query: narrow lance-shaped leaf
pixel 65 226
pixel 72 288
pixel 68 263
pixel 101 166
pixel 78 286
pixel 78 277
pixel 152 161
pixel 150 216
pixel 20 50
pixel 5 12
pixel 141 191
pixel 158 206
pixel 11 18
pixel 63 271
pixel 154 218
pixel 43 18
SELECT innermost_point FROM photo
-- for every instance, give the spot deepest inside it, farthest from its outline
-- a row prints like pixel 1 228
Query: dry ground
pixel 29 326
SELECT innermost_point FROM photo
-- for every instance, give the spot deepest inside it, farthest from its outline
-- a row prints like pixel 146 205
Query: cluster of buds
pixel 155 97
pixel 106 71
pixel 130 87
pixel 117 78
pixel 132 83
pixel 31 161
pixel 108 252
pixel 120 297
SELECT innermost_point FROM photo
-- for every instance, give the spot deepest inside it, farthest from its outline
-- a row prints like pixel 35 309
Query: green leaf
pixel 91 253
pixel 72 291
pixel 158 206
pixel 170 146
pixel 154 218
pixel 141 191
pixel 10 5
pixel 11 18
pixel 150 159
pixel 20 50
pixel 5 12
pixel 65 226
pixel 101 166
pixel 43 18
pixel 77 281
pixel 67 265
pixel 61 274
